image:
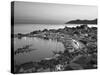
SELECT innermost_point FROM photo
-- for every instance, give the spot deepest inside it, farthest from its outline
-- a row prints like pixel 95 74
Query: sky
pixel 50 13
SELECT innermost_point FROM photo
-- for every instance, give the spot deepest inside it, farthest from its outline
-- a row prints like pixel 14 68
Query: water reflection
pixel 44 49
pixel 24 49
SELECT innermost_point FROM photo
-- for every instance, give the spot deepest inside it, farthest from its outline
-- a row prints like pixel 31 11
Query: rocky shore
pixel 80 50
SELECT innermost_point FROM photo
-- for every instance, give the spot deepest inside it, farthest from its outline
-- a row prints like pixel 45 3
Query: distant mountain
pixel 82 22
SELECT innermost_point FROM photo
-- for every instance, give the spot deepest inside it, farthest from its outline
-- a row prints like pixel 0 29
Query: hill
pixel 82 22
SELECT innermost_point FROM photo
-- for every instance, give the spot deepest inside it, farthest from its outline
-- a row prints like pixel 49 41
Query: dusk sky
pixel 49 13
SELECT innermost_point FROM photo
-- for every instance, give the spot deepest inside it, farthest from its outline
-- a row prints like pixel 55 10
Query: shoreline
pixel 45 26
pixel 82 46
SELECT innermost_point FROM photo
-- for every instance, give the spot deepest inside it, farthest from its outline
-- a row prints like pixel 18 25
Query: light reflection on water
pixel 44 49
pixel 26 28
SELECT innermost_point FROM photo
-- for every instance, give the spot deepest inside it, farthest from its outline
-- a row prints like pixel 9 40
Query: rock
pixel 75 66
pixel 95 66
pixel 46 70
pixel 40 70
pixel 21 70
pixel 71 50
pixel 76 44
pixel 84 61
pixel 59 67
pixel 47 58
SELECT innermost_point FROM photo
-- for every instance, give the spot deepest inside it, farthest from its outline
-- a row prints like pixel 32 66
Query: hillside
pixel 82 22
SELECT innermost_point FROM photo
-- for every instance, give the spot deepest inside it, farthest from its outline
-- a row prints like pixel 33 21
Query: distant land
pixel 82 21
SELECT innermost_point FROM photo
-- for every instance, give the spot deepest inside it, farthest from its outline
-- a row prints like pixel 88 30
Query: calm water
pixel 26 28
pixel 43 48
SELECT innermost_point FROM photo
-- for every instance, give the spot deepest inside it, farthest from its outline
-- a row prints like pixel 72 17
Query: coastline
pixel 80 45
